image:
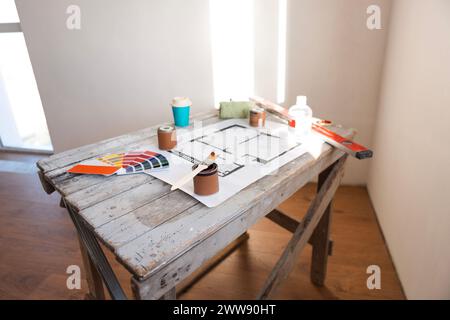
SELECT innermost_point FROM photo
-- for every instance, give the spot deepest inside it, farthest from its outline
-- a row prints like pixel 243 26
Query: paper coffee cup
pixel 180 108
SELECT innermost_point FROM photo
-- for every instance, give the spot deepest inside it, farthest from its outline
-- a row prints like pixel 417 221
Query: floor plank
pixel 38 243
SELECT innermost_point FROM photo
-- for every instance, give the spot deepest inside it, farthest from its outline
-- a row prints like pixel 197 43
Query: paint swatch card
pixel 122 163
pixel 94 166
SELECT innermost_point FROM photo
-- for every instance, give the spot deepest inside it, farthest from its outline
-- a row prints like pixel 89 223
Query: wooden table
pixel 162 237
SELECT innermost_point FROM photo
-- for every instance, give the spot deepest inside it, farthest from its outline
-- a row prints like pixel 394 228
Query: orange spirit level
pixel 346 145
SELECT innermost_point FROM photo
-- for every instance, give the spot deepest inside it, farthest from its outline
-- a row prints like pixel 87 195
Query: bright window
pixel 232 32
pixel 22 120
pixel 233 48
pixel 8 12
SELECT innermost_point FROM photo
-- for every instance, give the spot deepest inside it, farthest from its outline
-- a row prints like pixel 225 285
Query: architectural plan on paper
pixel 245 155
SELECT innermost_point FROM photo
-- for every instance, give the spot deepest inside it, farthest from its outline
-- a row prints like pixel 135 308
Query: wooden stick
pixel 189 176
pixel 291 225
pixel 283 220
pixel 202 166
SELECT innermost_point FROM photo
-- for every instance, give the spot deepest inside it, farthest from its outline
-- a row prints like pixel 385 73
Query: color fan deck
pixel 163 236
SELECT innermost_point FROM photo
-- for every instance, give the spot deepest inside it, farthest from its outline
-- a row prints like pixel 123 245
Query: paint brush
pixel 201 166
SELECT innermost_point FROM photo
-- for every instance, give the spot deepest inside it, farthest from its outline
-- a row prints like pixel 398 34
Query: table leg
pixel 97 258
pixel 305 229
pixel 93 278
pixel 170 295
pixel 141 291
pixel 320 238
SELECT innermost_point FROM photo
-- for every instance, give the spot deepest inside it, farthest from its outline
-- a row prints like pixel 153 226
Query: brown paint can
pixel 207 181
pixel 257 117
pixel 167 138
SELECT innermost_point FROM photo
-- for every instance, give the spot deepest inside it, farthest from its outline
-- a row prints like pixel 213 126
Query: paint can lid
pixel 212 169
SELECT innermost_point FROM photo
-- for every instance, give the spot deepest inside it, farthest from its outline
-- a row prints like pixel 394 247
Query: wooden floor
pixel 38 242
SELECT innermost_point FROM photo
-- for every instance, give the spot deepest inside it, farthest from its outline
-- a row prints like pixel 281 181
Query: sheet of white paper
pixel 245 155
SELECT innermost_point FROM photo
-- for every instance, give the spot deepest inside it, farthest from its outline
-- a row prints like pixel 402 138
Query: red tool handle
pixel 356 150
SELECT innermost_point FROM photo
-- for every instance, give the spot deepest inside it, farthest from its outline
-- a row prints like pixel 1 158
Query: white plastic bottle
pixel 302 115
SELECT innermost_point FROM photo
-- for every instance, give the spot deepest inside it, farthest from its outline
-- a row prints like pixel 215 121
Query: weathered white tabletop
pixel 162 236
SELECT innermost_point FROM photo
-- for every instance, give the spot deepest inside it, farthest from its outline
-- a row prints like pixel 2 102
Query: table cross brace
pixel 305 228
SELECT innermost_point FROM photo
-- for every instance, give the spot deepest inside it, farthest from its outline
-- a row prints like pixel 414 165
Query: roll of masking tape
pixel 167 138
pixel 257 117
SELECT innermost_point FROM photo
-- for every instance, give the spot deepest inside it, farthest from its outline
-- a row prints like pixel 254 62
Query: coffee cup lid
pixel 181 102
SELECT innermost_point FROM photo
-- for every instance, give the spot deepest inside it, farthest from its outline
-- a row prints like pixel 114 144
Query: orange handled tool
pixel 346 145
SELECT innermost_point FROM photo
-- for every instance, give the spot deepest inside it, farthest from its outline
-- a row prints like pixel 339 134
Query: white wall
pixel 119 72
pixel 336 61
pixel 410 173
